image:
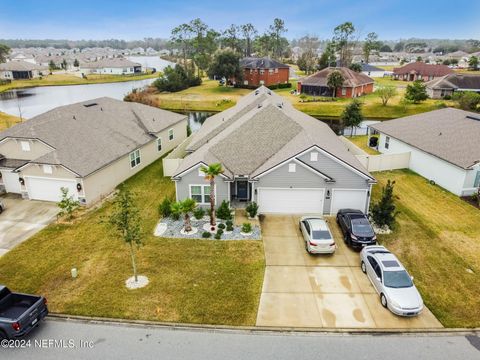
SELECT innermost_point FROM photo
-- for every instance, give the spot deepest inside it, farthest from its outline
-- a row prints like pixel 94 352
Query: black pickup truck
pixel 19 313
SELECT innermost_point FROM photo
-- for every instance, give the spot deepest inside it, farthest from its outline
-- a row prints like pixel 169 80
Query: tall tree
pixel 308 60
pixel 473 62
pixel 335 80
pixel 344 40
pixel 249 32
pixel 277 29
pixel 352 115
pixel 203 44
pixel 4 51
pixel 371 43
pixel 211 172
pixel 231 38
pixel 126 221
pixel 328 57
pixel 181 36
pixel 226 63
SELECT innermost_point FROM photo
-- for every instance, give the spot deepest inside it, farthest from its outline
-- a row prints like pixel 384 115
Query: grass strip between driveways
pixel 438 241
pixel 191 281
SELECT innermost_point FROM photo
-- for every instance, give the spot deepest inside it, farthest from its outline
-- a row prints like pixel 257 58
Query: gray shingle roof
pixel 110 63
pixel 87 138
pixel 261 137
pixel 20 65
pixel 261 63
pixel 450 134
pixel 368 67
pixel 456 81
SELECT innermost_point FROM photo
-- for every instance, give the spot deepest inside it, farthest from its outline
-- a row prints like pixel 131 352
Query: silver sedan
pixel 317 235
pixel 391 281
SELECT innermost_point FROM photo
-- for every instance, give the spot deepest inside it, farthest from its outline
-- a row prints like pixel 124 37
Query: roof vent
pixel 269 92
pixel 259 106
pixel 256 92
pixel 74 118
pixel 90 104
pixel 280 105
pixel 473 117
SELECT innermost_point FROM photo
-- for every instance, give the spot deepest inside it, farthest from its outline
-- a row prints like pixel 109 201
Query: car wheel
pixel 383 300
pixel 364 267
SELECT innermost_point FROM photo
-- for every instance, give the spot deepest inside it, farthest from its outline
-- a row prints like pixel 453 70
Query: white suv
pixel 391 280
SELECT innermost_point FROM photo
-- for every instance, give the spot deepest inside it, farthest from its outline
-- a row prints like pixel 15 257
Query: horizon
pixel 109 20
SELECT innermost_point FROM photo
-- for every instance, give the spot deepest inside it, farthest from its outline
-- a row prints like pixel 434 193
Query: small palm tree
pixel 187 206
pixel 335 80
pixel 211 172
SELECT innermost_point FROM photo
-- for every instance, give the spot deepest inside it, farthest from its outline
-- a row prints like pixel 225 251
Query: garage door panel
pixel 49 189
pixel 290 201
pixel 348 198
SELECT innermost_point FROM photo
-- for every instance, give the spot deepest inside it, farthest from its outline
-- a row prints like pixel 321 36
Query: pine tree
pixel 383 212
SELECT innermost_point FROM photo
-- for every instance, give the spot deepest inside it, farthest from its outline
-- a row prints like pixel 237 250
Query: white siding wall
pixel 444 174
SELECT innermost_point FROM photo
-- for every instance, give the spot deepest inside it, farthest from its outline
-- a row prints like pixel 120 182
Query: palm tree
pixel 211 172
pixel 335 80
pixel 187 206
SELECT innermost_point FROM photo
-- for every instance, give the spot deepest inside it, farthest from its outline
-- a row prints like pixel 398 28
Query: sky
pixel 137 19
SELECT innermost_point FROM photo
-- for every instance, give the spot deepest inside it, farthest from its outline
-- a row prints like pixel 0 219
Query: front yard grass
pixel 438 240
pixel 191 281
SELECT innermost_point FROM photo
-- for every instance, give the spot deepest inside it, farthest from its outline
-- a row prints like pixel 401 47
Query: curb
pixel 261 329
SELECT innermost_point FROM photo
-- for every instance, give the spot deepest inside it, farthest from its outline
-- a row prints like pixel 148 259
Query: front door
pixel 242 190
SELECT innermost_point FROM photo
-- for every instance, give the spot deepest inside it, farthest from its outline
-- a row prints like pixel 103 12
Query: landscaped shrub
pixel 221 226
pixel 373 142
pixel 164 209
pixel 246 228
pixel 199 213
pixel 206 234
pixel 218 236
pixel 383 212
pixel 252 209
pixel 223 211
pixel 229 224
pixel 219 232
pixel 229 228
pixel 447 97
pixel 175 210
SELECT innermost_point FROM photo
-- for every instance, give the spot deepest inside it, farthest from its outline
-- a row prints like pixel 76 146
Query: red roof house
pixel 420 71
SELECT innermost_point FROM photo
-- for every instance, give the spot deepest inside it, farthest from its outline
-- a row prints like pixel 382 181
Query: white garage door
pixel 49 189
pixel 10 180
pixel 290 201
pixel 351 199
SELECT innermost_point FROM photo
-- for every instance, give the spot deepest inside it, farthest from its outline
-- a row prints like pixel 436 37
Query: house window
pixel 25 145
pixel 170 134
pixel 134 158
pixel 477 180
pixel 47 169
pixel 387 142
pixel 314 156
pixel 262 71
pixel 344 91
pixel 292 167
pixel 159 144
pixel 276 71
pixel 200 193
pixel 270 71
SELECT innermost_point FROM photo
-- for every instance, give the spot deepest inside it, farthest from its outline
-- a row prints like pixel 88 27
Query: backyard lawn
pixel 438 240
pixel 361 142
pixel 191 281
pixel 7 120
pixel 211 97
pixel 70 79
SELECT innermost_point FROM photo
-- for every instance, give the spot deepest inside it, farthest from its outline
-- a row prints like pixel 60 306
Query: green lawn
pixel 7 120
pixel 438 240
pixel 191 281
pixel 69 79
pixel 361 142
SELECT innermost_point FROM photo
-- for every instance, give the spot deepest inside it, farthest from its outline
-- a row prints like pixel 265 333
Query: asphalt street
pixel 62 339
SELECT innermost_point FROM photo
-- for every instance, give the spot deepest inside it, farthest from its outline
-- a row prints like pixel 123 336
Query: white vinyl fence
pixel 172 161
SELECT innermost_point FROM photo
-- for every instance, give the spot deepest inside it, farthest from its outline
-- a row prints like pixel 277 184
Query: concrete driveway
pixel 302 290
pixel 23 218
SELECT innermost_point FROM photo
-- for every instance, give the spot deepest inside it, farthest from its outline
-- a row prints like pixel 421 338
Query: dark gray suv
pixel 356 229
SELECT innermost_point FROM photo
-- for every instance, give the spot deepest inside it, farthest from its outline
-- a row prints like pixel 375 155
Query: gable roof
pixel 260 132
pixel 422 68
pixel 261 63
pixel 110 63
pixel 352 78
pixel 456 81
pixel 20 65
pixel 89 135
pixel 449 134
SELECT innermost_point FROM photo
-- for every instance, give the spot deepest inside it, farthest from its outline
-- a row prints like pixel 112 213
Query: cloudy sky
pixel 136 19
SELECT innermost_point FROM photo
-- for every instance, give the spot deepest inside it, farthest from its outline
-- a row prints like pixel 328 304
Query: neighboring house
pixel 420 71
pixel 263 71
pixel 115 66
pixel 444 146
pixel 275 155
pixel 372 71
pixel 19 69
pixel 88 147
pixel 355 84
pixel 448 84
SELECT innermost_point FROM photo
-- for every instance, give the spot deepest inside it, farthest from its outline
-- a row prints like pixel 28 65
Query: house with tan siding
pixel 88 147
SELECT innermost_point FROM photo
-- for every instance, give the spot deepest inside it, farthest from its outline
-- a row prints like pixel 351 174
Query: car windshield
pixel 361 227
pixel 321 235
pixel 397 279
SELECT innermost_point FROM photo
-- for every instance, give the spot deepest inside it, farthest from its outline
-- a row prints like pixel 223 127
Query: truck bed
pixel 14 305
